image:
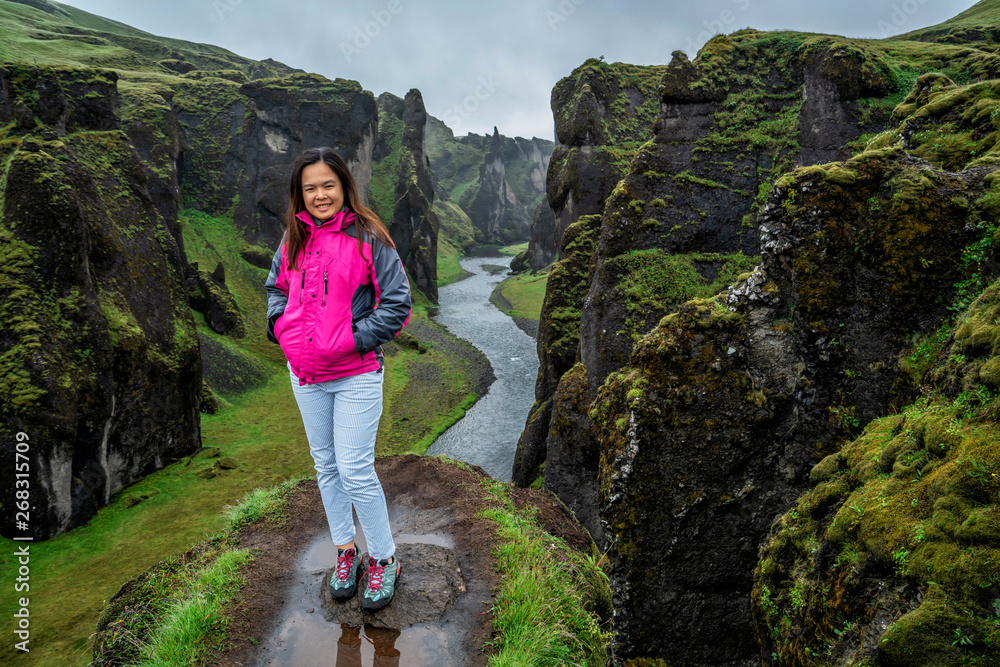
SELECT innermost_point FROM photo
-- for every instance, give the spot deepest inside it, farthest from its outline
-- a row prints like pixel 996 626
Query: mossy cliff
pixel 739 402
pixel 100 364
pixel 592 156
pixel 242 138
pixel 889 559
pixel 103 141
pixel 724 407
pixel 414 225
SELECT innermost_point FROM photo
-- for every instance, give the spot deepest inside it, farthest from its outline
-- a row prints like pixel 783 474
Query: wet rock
pixel 429 582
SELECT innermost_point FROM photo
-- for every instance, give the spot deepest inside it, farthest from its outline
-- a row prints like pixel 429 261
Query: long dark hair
pixel 364 218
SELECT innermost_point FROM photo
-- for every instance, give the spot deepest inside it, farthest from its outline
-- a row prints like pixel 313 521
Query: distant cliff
pixel 498 182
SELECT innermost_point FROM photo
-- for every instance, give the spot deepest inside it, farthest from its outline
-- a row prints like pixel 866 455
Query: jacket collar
pixel 342 220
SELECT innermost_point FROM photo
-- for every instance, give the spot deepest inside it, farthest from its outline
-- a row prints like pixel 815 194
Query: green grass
pixel 525 293
pixel 195 617
pixel 175 610
pixel 540 614
pixel 449 269
pixel 514 250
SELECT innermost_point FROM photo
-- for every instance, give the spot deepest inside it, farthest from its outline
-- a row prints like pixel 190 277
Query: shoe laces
pixel 375 573
pixel 344 562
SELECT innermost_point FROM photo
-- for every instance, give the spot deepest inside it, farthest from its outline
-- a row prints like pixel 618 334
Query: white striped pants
pixel 341 419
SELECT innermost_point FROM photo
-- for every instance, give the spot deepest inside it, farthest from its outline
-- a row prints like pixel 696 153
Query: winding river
pixel 487 435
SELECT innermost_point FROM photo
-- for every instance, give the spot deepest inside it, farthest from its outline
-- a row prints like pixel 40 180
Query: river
pixel 487 435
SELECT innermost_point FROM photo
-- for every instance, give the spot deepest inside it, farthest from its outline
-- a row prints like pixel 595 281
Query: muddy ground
pixel 422 486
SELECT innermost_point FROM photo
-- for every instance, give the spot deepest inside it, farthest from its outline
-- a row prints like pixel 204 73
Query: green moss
pixel 913 500
pixel 652 282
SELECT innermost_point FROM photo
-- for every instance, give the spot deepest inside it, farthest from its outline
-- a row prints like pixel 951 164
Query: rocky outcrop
pixel 726 405
pixel 100 366
pixel 212 298
pixel 592 156
pixel 414 224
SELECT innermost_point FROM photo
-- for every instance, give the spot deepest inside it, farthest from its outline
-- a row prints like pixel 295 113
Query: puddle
pixel 308 634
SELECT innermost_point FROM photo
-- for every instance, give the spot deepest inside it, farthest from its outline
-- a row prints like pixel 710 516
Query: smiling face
pixel 321 191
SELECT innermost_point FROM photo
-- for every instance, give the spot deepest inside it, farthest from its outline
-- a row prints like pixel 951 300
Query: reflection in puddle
pixel 306 637
pixel 382 640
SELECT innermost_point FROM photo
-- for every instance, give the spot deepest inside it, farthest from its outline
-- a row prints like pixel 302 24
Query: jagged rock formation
pixel 496 210
pixel 603 112
pixel 100 360
pixel 414 225
pixel 497 181
pixel 707 428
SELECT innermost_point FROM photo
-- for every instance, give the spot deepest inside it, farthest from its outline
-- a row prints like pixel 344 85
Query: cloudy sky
pixel 494 62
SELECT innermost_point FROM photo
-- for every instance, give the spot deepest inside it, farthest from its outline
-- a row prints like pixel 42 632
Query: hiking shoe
pixel 344 580
pixel 380 583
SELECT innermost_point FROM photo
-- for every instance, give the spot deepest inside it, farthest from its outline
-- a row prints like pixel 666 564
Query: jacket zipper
pixel 303 286
pixel 324 288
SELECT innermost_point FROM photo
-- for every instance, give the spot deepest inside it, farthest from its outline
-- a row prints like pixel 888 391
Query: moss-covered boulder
pixel 100 366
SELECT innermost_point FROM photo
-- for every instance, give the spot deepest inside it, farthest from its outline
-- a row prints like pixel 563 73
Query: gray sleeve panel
pixel 276 299
pixel 393 310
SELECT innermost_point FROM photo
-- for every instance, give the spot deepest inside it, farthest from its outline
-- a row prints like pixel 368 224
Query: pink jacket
pixel 333 313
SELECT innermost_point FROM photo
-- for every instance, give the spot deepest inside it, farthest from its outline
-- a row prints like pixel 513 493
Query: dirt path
pixel 445 587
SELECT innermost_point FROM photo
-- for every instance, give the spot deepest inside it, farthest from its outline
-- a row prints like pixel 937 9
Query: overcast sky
pixel 481 63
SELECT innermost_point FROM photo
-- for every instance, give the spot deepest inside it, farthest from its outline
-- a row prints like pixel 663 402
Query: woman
pixel 336 260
